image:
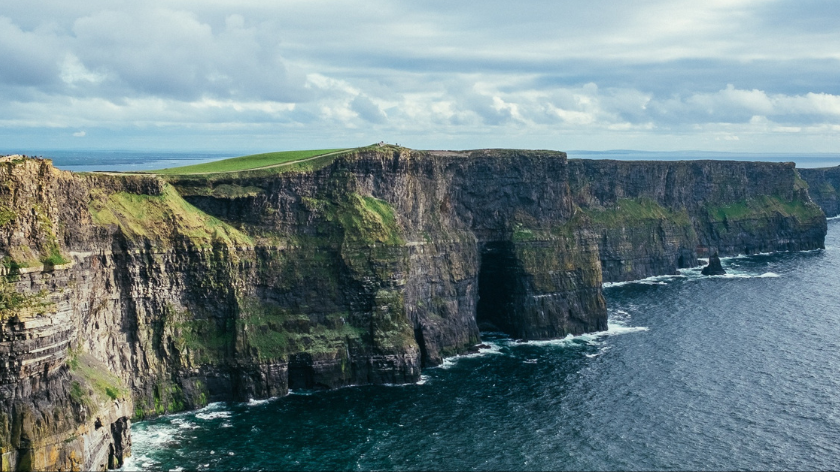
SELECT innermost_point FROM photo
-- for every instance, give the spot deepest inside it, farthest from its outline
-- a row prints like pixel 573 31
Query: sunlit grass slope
pixel 236 164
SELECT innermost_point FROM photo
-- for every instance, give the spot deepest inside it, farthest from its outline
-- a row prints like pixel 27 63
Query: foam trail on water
pixel 614 327
pixel 493 348
pixel 653 280
pixel 263 401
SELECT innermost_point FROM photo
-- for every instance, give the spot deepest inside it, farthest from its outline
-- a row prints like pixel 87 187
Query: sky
pixel 251 76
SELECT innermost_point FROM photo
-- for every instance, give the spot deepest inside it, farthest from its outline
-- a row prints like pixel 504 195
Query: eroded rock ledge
pixel 125 297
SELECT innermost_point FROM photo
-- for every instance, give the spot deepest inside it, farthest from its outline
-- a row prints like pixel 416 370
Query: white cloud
pixel 72 71
pixel 79 134
pixel 489 70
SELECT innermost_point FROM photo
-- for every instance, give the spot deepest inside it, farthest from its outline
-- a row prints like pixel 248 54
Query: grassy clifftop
pixel 244 163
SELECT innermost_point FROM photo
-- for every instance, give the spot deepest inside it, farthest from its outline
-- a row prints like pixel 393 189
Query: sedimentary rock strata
pixel 129 296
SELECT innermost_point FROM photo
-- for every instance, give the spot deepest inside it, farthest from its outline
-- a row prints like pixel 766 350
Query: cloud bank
pixel 746 75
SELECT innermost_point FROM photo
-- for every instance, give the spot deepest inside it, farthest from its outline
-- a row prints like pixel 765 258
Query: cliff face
pixel 652 218
pixel 126 296
pixel 824 187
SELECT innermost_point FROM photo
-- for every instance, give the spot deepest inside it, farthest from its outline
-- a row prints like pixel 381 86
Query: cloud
pixel 368 110
pixel 80 134
pixel 29 58
pixel 652 72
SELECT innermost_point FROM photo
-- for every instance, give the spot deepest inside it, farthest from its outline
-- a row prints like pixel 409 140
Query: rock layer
pixel 653 218
pixel 126 297
pixel 824 187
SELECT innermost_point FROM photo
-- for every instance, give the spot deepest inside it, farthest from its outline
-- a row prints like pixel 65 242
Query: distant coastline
pixel 802 160
pixel 122 160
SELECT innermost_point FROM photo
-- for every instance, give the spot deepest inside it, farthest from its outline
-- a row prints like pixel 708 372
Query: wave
pixel 168 431
pixel 600 351
pixel 653 280
pixel 213 415
pixel 614 328
pixel 731 273
pixel 491 349
pixel 184 424
pixel 262 401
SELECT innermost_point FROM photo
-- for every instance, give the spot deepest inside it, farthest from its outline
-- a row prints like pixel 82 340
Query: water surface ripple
pixel 735 372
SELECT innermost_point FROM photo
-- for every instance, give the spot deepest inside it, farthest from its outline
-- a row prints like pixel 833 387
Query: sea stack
pixel 714 267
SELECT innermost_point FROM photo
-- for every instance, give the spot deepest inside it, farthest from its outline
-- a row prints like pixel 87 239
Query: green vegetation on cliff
pixel 364 220
pixel 632 211
pixel 93 383
pixel 14 303
pixel 161 218
pixel 243 163
pixel 6 215
pixel 270 332
pixel 763 207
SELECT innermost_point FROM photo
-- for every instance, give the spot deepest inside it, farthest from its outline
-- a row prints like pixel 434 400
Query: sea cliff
pixel 129 296
pixel 824 187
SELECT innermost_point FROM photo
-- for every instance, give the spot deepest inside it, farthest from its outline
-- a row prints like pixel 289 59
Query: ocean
pixel 732 372
pixel 132 161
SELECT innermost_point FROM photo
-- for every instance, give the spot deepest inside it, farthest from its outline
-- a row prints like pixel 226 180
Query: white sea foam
pixel 741 275
pixel 212 415
pixel 569 340
pixel 602 350
pixel 493 348
pixel 732 272
pixel 423 379
pixel 154 437
pixel 184 424
pixel 654 280
pixel 215 406
pixel 252 402
pixel 614 327
pixel 138 462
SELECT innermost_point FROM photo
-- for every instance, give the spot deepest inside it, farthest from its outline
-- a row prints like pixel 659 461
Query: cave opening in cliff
pixel 496 287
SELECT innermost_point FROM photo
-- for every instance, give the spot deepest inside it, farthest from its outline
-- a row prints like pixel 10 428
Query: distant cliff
pixel 127 296
pixel 653 218
pixel 824 187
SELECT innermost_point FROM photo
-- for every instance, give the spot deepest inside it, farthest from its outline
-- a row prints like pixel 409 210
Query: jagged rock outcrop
pixel 714 267
pixel 127 296
pixel 824 188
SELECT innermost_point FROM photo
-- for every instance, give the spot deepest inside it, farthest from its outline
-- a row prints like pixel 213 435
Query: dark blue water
pixel 733 372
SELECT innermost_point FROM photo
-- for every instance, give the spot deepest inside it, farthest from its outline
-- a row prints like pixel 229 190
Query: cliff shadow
pixel 497 287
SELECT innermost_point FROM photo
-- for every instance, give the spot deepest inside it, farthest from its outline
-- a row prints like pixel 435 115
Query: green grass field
pixel 236 164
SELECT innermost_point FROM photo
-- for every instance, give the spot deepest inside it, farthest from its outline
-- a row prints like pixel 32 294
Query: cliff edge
pixel 129 296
